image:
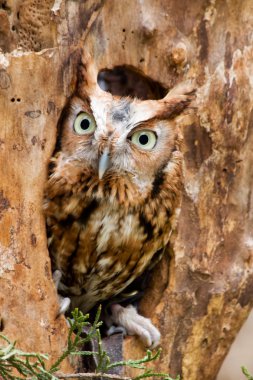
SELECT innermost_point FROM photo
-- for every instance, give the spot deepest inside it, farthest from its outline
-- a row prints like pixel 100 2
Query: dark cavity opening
pixel 126 81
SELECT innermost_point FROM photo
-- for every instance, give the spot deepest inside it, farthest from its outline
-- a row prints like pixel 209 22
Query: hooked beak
pixel 104 163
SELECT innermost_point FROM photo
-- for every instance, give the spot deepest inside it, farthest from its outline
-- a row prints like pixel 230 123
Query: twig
pixel 89 376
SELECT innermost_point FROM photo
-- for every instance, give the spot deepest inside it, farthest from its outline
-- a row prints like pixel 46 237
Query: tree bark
pixel 201 296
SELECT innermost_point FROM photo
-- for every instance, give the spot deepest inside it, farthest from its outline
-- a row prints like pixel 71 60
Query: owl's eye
pixel 144 139
pixel 84 123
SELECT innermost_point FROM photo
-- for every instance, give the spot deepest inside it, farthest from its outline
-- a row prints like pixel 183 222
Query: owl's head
pixel 118 137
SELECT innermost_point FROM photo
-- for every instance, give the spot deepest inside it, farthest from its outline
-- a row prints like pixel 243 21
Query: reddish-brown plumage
pixel 104 232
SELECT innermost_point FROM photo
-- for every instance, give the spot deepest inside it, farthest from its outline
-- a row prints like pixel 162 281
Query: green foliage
pixel 33 365
pixel 27 364
pixel 246 373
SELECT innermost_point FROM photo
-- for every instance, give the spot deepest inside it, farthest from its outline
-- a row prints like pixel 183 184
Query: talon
pixel 116 330
pixel 64 302
pixel 57 275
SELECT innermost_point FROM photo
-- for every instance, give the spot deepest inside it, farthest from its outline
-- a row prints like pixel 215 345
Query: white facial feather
pixel 116 119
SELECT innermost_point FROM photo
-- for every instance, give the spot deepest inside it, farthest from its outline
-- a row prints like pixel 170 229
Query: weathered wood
pixel 28 300
pixel 203 295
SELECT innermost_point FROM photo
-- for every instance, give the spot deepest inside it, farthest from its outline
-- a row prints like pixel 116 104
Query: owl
pixel 114 185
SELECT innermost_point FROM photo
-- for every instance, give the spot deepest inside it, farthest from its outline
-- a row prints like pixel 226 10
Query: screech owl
pixel 112 192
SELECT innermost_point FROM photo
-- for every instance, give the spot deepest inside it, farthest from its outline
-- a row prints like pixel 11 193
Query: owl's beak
pixel 104 163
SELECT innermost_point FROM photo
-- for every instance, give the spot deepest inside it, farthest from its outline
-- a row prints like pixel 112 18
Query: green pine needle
pixel 246 373
pixel 34 366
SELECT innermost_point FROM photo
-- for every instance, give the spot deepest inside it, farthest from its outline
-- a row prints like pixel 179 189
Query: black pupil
pixel 85 123
pixel 143 139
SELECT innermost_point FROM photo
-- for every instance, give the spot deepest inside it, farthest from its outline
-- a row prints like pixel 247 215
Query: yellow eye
pixel 144 139
pixel 84 123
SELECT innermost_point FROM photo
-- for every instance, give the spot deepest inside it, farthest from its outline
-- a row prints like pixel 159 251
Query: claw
pixel 116 330
pixel 57 275
pixel 64 302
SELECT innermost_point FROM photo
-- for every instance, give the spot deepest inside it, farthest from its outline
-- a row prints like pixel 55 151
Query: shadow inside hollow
pixel 126 81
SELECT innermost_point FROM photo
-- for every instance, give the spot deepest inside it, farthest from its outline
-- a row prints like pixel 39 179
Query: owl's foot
pixel 134 324
pixel 64 302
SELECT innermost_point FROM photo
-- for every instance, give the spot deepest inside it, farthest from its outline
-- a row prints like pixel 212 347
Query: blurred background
pixel 240 354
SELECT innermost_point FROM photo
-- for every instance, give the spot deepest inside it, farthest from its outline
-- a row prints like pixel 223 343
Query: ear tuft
pixel 185 88
pixel 177 100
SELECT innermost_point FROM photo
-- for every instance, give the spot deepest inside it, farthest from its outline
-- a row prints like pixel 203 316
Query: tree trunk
pixel 201 296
